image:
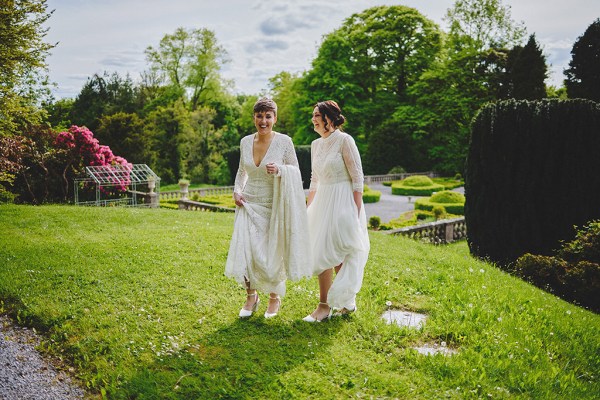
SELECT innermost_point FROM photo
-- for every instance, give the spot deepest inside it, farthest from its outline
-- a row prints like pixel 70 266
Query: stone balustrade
pixel 176 194
pixel 191 205
pixel 438 232
pixel 396 177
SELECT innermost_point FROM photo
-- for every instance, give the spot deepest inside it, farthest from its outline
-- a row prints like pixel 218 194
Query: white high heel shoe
pixel 271 315
pixel 344 312
pixel 310 318
pixel 247 313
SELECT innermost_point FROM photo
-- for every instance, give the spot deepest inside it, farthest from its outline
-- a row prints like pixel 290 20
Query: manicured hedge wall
pixel 416 185
pixel 452 202
pixel 532 173
pixel 370 195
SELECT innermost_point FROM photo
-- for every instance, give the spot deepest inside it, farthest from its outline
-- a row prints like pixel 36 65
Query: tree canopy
pixel 367 65
pixel 583 74
pixel 190 60
pixel 23 52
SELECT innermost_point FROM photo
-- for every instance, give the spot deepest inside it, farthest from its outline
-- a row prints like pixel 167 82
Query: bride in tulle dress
pixel 270 236
pixel 336 217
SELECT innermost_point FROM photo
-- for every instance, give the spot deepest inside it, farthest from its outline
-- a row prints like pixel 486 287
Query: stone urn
pixel 184 184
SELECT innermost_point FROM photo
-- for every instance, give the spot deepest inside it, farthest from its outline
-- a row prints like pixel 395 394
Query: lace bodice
pixel 252 180
pixel 336 159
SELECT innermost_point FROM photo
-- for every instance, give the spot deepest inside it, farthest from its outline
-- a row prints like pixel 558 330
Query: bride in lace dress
pixel 270 235
pixel 336 217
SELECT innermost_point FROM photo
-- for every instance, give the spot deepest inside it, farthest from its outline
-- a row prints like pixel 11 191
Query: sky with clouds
pixel 262 38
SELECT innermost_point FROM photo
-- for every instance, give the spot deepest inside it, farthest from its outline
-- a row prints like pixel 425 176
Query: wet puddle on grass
pixel 409 319
pixel 406 319
pixel 429 349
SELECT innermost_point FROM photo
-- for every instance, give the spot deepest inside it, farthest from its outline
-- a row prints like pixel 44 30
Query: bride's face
pixel 319 122
pixel 264 121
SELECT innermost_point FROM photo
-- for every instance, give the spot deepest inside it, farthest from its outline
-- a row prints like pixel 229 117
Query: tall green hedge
pixel 532 173
pixel 302 153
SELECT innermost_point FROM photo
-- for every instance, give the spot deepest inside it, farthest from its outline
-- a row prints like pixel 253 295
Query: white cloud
pixel 261 38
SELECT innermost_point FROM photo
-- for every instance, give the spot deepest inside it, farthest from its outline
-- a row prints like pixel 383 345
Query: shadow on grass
pixel 242 360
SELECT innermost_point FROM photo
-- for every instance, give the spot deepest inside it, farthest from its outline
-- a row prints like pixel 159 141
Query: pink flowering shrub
pixel 40 165
pixel 80 143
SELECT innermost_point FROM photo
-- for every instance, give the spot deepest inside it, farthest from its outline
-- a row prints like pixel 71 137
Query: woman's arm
pixel 240 180
pixel 354 166
pixel 314 180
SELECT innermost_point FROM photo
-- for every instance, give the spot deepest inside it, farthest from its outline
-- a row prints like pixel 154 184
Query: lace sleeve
pixel 289 154
pixel 241 176
pixel 314 180
pixel 353 163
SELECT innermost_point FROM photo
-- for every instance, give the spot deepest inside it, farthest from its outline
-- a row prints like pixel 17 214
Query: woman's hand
pixel 239 199
pixel 272 169
pixel 358 201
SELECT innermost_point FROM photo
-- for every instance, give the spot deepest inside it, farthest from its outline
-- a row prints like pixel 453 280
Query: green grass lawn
pixel 136 301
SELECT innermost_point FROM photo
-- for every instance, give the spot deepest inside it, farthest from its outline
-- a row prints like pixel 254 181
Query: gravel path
pixel 24 374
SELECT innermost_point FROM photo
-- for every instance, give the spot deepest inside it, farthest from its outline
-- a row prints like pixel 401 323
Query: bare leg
pixel 251 298
pixel 325 279
pixel 274 303
pixel 337 268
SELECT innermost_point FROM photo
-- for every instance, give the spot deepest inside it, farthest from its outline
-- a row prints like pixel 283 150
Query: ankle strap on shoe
pixel 274 298
pixel 326 304
pixel 251 294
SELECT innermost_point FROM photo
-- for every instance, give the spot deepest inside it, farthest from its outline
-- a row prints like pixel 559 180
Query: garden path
pixel 390 206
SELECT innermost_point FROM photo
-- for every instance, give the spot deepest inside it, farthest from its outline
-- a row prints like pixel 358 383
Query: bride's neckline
pixel 330 135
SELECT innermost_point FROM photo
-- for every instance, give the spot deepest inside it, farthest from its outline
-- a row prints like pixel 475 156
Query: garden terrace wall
pixel 202 192
pixel 438 232
pixel 191 205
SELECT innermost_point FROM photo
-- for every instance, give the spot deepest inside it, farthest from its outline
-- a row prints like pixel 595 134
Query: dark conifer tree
pixel 583 74
pixel 527 71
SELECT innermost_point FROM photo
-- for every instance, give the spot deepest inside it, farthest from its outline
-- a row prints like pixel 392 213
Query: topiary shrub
pixel 451 202
pixel 438 212
pixel 370 196
pixel 416 185
pixel 573 273
pixel 374 222
pixel 417 181
pixel 396 170
pixel 449 183
pixel 532 173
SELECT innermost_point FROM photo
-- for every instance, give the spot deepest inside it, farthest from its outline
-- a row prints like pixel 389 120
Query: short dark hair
pixel 331 109
pixel 264 105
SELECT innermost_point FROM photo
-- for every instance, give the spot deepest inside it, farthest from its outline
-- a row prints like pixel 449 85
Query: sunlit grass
pixel 136 301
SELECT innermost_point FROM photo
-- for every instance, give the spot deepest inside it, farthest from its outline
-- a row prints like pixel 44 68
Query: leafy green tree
pixel 527 71
pixel 190 61
pixel 245 123
pixel 202 149
pixel 125 135
pixel 165 127
pixel 469 72
pixel 366 66
pixel 483 24
pixel 583 74
pixel 23 52
pixel 59 113
pixel 282 88
pixel 103 95
pixel 396 143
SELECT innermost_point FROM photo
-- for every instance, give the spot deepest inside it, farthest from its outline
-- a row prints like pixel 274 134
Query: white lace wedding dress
pixel 270 235
pixel 338 232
